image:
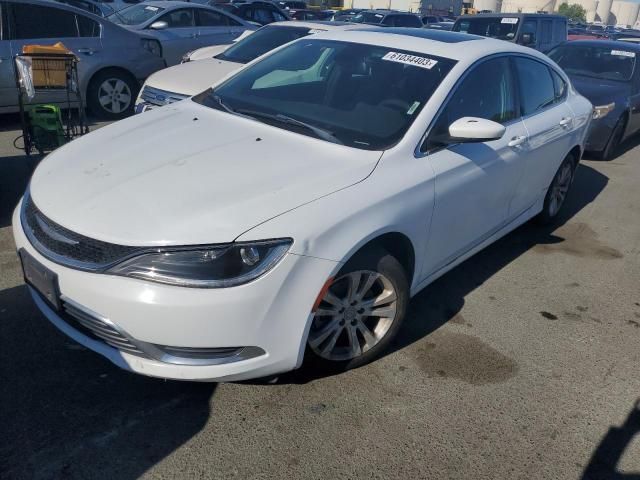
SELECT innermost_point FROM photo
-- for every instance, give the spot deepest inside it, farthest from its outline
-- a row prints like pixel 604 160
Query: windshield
pixel 598 62
pixel 502 28
pixel 135 14
pixel 262 41
pixel 363 96
pixel 368 17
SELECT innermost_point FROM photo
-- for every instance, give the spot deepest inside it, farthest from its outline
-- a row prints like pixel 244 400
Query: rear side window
pixel 36 21
pixel 405 21
pixel 486 92
pixel 88 27
pixel 559 85
pixel 179 18
pixel 536 85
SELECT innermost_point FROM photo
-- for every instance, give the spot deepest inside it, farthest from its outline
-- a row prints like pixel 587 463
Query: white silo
pixel 602 11
pixel 624 13
pixel 528 6
pixel 490 5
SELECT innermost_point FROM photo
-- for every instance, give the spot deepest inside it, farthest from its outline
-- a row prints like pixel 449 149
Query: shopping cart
pixel 42 69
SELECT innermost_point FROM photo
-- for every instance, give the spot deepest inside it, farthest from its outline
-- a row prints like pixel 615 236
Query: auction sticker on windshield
pixel 509 20
pixel 422 62
pixel 622 53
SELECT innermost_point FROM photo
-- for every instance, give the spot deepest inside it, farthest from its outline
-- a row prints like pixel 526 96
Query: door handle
pixel 517 141
pixel 194 35
pixel 86 51
pixel 566 122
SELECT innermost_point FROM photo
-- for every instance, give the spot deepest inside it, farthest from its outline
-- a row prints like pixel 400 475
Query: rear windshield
pixel 135 14
pixel 362 96
pixel 262 41
pixel 607 63
pixel 502 28
pixel 368 17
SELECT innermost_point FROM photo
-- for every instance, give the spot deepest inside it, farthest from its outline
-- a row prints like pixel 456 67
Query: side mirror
pixel 159 25
pixel 473 129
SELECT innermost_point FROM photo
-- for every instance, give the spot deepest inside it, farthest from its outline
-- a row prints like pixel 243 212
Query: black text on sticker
pixel 422 62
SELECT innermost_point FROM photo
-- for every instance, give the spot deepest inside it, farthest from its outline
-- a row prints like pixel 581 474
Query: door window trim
pixel 419 151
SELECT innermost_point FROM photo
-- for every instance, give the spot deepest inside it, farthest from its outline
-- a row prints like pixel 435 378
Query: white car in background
pixel 298 205
pixel 191 77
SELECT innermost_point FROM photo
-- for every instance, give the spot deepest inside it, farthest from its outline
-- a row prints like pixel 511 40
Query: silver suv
pixel 113 61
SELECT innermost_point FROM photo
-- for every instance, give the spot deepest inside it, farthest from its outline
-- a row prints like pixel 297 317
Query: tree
pixel 573 12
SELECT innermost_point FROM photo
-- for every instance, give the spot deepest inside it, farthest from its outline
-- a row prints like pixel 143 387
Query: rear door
pixel 215 28
pixel 8 92
pixel 549 122
pixel 180 36
pixel 47 25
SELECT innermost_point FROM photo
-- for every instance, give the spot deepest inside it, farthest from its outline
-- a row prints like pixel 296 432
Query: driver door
pixel 180 36
pixel 475 182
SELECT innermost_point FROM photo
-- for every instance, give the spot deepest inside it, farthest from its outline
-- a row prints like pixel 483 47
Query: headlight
pixel 602 110
pixel 186 57
pixel 152 46
pixel 206 267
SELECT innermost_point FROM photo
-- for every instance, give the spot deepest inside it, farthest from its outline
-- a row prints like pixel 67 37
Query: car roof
pixel 319 24
pixel 604 43
pixel 513 15
pixel 384 11
pixel 172 3
pixel 440 43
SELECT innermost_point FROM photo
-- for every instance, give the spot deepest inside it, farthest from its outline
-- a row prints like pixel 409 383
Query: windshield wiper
pixel 317 131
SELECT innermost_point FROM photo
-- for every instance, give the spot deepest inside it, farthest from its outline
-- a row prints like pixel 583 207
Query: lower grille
pixel 98 329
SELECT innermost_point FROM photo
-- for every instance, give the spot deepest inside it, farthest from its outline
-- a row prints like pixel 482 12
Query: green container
pixel 45 123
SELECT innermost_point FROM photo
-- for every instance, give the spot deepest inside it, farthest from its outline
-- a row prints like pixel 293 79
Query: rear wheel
pixel 111 94
pixel 613 144
pixel 360 313
pixel 558 190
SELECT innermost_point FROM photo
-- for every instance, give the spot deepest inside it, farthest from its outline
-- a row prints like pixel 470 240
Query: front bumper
pixel 272 314
pixel 599 133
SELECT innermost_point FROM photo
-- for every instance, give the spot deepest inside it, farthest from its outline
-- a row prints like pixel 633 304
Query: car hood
pixel 598 91
pixel 187 174
pixel 192 77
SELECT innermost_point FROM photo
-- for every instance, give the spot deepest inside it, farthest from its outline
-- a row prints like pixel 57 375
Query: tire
pixel 376 275
pixel 111 94
pixel 610 150
pixel 558 190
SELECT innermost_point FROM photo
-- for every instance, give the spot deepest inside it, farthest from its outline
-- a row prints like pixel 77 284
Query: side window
pixel 36 21
pixel 486 92
pixel 88 27
pixel 559 85
pixel 407 21
pixel 559 31
pixel 260 15
pixel 179 18
pixel 207 18
pixel 536 84
pixel 278 17
pixel 545 31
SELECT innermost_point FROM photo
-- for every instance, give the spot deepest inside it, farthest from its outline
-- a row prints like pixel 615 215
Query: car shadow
pixel 443 300
pixel 69 413
pixel 15 172
pixel 605 459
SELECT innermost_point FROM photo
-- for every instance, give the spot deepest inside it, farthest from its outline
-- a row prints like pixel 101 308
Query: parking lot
pixel 520 363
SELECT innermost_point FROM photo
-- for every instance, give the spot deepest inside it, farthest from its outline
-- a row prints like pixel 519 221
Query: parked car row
pixel 289 211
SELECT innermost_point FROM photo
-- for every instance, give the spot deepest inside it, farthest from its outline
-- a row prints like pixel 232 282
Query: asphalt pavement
pixel 523 362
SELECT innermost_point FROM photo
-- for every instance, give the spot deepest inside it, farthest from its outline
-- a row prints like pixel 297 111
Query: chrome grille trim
pixel 99 328
pixel 159 98
pixel 67 248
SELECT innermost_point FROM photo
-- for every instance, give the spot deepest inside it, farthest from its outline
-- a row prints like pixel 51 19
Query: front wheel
pixel 558 190
pixel 111 94
pixel 360 313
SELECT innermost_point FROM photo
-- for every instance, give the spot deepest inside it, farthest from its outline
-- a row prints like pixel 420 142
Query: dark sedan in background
pixel 605 72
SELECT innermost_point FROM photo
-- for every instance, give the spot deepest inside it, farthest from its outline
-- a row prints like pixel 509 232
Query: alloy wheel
pixel 560 188
pixel 355 314
pixel 114 95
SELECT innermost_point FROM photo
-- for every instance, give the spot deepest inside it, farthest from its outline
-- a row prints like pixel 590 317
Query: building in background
pixel 436 7
pixel 528 6
pixel 493 6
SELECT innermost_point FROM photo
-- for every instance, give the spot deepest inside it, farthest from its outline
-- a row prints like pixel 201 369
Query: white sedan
pixel 191 77
pixel 298 205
